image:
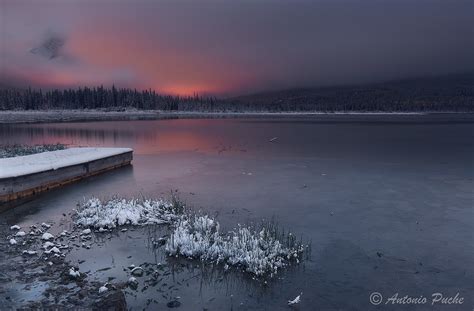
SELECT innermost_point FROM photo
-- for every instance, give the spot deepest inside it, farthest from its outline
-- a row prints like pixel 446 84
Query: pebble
pixel 46 236
pixel 53 250
pixel 74 273
pixel 137 271
pixel 173 304
pixel 103 289
pixel 47 244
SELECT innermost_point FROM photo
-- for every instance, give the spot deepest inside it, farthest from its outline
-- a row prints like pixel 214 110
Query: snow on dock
pixel 27 175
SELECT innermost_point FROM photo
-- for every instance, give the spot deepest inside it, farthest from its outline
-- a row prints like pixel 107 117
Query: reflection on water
pixel 386 201
pixel 144 137
pixel 382 138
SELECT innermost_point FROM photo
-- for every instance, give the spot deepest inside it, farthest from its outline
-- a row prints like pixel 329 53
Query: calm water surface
pixel 387 203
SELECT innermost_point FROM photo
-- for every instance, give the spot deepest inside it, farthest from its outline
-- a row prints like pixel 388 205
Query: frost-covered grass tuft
pixel 118 212
pixel 9 151
pixel 260 252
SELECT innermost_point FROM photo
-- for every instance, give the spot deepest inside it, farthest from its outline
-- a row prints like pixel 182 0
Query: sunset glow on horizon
pixel 209 48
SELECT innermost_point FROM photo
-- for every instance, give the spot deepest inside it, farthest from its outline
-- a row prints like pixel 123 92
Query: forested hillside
pixel 448 93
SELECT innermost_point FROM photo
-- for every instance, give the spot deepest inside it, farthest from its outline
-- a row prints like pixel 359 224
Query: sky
pixel 231 47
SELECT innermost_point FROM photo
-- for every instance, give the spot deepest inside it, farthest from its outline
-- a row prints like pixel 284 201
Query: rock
pixel 173 304
pixel 103 289
pixel 15 227
pixel 73 273
pixel 114 300
pixel 29 252
pixel 133 282
pixel 47 245
pixel 46 236
pixel 137 271
pixel 13 242
pixel 86 231
pixel 45 225
pixel 53 250
pixel 20 233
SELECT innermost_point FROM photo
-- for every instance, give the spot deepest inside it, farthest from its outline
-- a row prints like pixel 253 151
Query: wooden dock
pixel 25 176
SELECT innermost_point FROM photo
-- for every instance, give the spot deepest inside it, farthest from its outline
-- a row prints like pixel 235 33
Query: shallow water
pixel 386 202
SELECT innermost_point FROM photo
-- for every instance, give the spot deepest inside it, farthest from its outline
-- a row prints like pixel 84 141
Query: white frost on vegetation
pixel 258 252
pixel 118 212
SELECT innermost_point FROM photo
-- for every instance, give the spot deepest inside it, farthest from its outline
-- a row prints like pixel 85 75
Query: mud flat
pixel 28 175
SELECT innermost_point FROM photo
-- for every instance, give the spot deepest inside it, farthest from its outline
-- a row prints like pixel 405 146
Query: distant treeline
pixel 97 98
pixel 453 93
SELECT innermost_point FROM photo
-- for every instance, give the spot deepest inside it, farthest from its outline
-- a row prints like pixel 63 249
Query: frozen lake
pixel 386 201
